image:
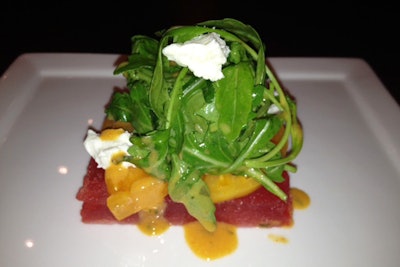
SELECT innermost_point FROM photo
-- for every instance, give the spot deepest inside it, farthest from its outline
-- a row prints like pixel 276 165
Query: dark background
pixel 367 31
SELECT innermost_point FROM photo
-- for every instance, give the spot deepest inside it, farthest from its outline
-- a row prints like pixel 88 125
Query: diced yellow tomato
pixel 122 204
pixel 149 192
pixel 119 178
pixel 131 189
pixel 145 193
pixel 227 186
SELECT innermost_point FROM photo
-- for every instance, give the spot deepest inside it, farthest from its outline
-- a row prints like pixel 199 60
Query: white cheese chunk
pixel 102 151
pixel 204 55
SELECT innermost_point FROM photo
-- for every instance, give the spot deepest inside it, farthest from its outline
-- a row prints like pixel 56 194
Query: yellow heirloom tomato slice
pixel 227 186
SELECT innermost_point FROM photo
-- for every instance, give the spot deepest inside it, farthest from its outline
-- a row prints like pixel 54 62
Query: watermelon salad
pixel 205 120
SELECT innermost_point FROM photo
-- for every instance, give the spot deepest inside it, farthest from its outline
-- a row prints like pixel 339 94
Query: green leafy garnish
pixel 186 126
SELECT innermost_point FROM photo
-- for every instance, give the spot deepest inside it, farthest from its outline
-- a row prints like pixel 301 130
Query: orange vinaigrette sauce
pixel 301 200
pixel 131 190
pixel 211 245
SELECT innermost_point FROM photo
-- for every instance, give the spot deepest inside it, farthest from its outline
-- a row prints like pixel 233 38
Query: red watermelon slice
pixel 260 208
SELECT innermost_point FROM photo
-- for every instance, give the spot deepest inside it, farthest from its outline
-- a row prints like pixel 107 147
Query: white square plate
pixel 350 167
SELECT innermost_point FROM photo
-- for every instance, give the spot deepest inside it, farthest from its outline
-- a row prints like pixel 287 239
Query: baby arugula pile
pixel 186 126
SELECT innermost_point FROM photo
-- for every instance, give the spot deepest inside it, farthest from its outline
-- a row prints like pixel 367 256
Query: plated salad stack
pixel 206 117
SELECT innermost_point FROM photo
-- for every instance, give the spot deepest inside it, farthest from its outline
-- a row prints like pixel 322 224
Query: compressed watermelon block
pixel 258 209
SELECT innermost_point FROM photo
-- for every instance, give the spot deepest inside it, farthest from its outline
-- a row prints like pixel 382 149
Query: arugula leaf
pixel 213 154
pixel 150 152
pixel 187 187
pixel 233 99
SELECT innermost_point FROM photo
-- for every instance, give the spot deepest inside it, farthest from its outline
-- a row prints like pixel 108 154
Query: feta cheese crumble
pixel 204 55
pixel 102 150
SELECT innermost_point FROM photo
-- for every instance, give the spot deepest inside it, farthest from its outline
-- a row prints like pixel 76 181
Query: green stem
pixel 175 95
pixel 239 160
pixel 266 182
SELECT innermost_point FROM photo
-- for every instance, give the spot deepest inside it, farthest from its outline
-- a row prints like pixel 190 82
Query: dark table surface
pixel 366 31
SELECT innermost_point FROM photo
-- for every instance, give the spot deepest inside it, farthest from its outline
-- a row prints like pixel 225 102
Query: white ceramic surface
pixel 349 166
